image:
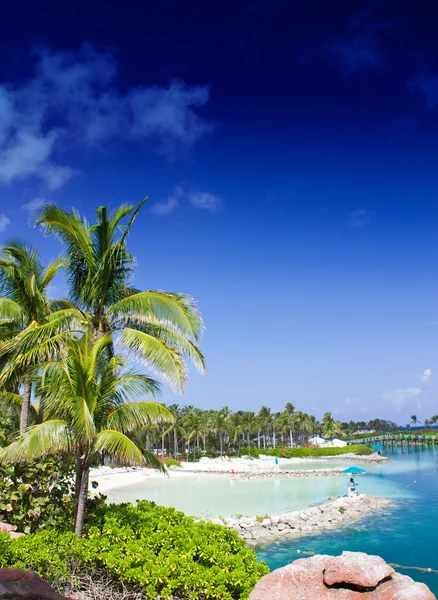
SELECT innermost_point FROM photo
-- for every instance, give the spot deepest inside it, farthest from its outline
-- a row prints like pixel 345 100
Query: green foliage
pixel 341 509
pixel 36 495
pixel 359 449
pixel 159 549
pixel 171 462
pixel 261 518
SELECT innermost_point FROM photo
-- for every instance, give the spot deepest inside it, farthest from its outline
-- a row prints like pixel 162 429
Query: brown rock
pixel 16 584
pixel 5 528
pixel 304 580
pixel 16 534
pixel 356 568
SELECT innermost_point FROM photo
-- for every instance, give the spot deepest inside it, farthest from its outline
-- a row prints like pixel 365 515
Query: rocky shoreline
pixel 336 512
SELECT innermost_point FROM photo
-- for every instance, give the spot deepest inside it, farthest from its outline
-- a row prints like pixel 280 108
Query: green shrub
pixel 171 462
pixel 36 495
pixel 341 509
pixel 158 549
pixel 359 449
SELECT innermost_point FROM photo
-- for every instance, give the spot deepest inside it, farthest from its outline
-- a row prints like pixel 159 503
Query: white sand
pixel 110 478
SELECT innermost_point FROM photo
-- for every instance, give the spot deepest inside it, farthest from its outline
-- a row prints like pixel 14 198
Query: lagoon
pixel 406 534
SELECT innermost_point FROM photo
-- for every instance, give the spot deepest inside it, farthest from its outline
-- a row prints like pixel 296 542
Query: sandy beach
pixel 110 478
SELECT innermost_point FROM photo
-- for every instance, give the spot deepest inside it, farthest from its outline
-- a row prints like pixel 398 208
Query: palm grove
pixel 69 354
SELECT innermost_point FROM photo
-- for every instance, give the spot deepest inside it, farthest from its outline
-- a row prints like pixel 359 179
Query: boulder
pixel 356 568
pixel 16 584
pixel 351 576
pixel 5 528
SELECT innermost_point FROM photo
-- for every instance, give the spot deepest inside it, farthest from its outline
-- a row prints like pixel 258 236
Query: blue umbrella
pixel 377 447
pixel 354 470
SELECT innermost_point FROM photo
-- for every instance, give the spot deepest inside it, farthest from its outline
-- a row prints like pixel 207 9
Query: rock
pixel 356 568
pixel 16 584
pixel 266 522
pixel 305 579
pixel 14 535
pixel 282 526
pixel 5 528
pixel 217 521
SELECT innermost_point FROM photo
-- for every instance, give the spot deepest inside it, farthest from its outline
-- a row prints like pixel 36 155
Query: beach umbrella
pixel 377 447
pixel 354 470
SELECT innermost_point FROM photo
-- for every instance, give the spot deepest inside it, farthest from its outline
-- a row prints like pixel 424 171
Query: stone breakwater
pixel 336 512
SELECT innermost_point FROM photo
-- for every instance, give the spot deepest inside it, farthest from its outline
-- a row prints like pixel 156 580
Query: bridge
pixel 399 439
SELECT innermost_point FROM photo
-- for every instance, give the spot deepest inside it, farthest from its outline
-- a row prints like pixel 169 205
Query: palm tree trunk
pixel 25 405
pixel 175 443
pixel 291 438
pixel 78 477
pixel 82 500
pixel 249 443
pixel 258 440
pixel 220 441
pixel 264 441
pixel 273 436
pixel 162 445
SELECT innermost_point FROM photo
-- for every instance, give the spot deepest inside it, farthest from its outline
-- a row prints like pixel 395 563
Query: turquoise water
pixel 406 533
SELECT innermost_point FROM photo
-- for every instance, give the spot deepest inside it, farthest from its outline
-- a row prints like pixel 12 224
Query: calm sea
pixel 405 534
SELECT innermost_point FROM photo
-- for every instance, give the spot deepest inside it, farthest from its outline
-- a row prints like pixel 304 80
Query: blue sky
pixel 290 156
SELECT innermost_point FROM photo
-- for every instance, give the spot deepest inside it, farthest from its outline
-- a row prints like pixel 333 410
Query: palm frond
pixel 176 310
pixel 137 414
pixel 47 438
pixel 163 359
pixel 119 446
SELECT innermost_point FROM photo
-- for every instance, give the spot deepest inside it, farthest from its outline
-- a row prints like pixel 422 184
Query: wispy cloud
pixel 358 48
pixel 34 204
pixel 4 223
pixel 426 377
pixel 198 199
pixel 427 88
pixel 72 98
pixel 360 218
pixel 398 399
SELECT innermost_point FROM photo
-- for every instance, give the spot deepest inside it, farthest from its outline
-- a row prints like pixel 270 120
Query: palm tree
pixel 25 303
pixel 219 425
pixel 159 328
pixel 88 413
pixel 195 427
pixel 414 420
pixel 248 424
pixel 330 427
pixel 290 413
pixel 433 420
pixel 265 418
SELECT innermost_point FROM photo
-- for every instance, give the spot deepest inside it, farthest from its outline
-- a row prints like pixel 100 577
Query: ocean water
pixel 406 533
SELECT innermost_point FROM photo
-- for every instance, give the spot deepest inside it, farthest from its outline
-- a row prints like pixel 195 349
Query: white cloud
pixel 426 376
pixel 72 99
pixel 4 223
pixel 398 399
pixel 171 204
pixel 360 218
pixel 205 201
pixel 200 200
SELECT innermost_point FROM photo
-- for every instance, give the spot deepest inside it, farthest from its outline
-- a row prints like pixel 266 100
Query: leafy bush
pixel 171 462
pixel 37 495
pixel 158 549
pixel 359 449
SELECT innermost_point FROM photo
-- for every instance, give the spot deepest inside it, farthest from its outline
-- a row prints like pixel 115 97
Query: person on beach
pixel 351 485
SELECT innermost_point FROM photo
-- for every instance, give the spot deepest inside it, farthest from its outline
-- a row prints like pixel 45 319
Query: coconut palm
pixel 330 426
pixel 249 422
pixel 24 304
pixel 159 328
pixel 290 413
pixel 88 413
pixel 414 420
pixel 265 419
